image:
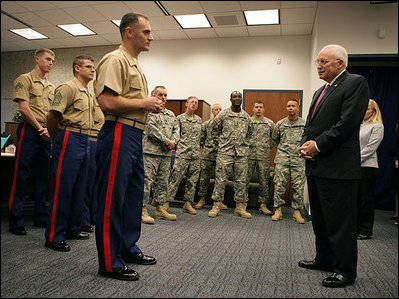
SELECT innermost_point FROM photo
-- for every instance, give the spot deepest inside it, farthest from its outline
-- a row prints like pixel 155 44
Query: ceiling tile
pixel 231 31
pixel 219 17
pixel 171 34
pixel 220 6
pixel 297 15
pixel 36 5
pixel 53 32
pixel 147 8
pixel 102 27
pixel 293 4
pixel 84 14
pixel 57 17
pixel 112 38
pixel 164 23
pixel 32 19
pixel 93 40
pixel 201 33
pixel 264 30
pixel 7 36
pixel 63 4
pixel 258 5
pixel 296 29
pixel 182 7
pixel 11 7
pixel 112 11
pixel 9 23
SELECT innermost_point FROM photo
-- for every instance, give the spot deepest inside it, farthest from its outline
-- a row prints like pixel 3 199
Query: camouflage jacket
pixel 161 128
pixel 261 140
pixel 234 131
pixel 188 146
pixel 288 138
pixel 209 141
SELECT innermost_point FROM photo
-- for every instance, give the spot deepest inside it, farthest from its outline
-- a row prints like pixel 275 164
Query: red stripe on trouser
pixel 14 181
pixel 57 185
pixel 108 199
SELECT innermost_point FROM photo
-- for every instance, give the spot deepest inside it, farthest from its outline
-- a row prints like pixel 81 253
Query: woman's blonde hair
pixel 376 118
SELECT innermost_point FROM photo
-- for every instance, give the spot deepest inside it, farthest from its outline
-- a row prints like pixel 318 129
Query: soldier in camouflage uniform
pixel 287 135
pixel 259 154
pixel 160 138
pixel 234 128
pixel 208 157
pixel 187 160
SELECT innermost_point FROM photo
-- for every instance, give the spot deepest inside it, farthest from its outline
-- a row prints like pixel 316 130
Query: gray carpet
pixel 200 257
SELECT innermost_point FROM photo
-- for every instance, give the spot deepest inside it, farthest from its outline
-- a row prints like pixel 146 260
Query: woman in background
pixel 371 134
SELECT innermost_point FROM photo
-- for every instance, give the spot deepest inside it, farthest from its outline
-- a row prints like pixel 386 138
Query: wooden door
pixel 275 108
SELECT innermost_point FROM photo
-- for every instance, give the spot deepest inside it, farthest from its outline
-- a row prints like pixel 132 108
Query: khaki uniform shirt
pixel 234 131
pixel 98 119
pixel 288 138
pixel 190 135
pixel 75 103
pixel 261 140
pixel 209 141
pixel 119 71
pixel 29 87
pixel 161 128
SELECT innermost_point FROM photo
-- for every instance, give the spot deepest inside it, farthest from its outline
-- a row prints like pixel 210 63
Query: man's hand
pixel 152 104
pixel 44 134
pixel 308 150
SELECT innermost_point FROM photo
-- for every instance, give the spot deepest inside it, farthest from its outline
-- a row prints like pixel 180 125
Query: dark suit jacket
pixel 335 128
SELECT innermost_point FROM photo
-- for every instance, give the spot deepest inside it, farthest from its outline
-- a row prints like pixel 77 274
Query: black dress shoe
pixel 363 237
pixel 81 236
pixel 337 281
pixel 58 246
pixel 313 265
pixel 19 231
pixel 141 259
pixel 87 229
pixel 122 274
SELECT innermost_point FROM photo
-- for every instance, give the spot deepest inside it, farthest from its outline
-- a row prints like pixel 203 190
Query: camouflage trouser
pixel 156 175
pixel 262 167
pixel 240 173
pixel 181 167
pixel 207 173
pixel 280 179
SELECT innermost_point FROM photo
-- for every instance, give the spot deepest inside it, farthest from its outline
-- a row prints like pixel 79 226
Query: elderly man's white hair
pixel 340 53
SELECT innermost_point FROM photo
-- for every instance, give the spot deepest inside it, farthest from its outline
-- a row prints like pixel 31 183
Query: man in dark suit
pixel 330 145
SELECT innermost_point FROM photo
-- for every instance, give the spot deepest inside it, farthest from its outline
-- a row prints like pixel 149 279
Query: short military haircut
pixel 231 95
pixel 216 104
pixel 157 87
pixel 79 60
pixel 295 100
pixel 191 97
pixel 40 52
pixel 259 102
pixel 129 19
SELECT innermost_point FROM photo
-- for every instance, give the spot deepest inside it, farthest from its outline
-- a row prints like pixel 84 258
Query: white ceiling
pixel 226 17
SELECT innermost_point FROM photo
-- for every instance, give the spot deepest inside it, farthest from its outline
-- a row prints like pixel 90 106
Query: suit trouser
pixel 32 154
pixel 365 219
pixel 334 218
pixel 120 173
pixel 70 165
pixel 89 200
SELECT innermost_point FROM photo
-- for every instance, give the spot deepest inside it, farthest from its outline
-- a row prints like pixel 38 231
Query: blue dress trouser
pixel 89 199
pixel 120 173
pixel 70 165
pixel 32 154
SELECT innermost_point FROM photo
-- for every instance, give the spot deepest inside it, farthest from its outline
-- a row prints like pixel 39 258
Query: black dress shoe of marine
pixel 313 265
pixel 363 237
pixel 81 236
pixel 58 246
pixel 141 259
pixel 124 273
pixel 20 231
pixel 337 281
pixel 87 229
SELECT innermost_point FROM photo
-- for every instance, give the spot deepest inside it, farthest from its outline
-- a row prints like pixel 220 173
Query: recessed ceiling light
pixel 116 22
pixel 28 33
pixel 193 21
pixel 262 17
pixel 77 29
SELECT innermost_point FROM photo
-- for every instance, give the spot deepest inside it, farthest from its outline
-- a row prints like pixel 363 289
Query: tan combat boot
pixel 240 210
pixel 200 203
pixel 222 206
pixel 215 210
pixel 166 206
pixel 145 217
pixel 188 208
pixel 264 209
pixel 153 203
pixel 298 217
pixel 161 213
pixel 278 214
